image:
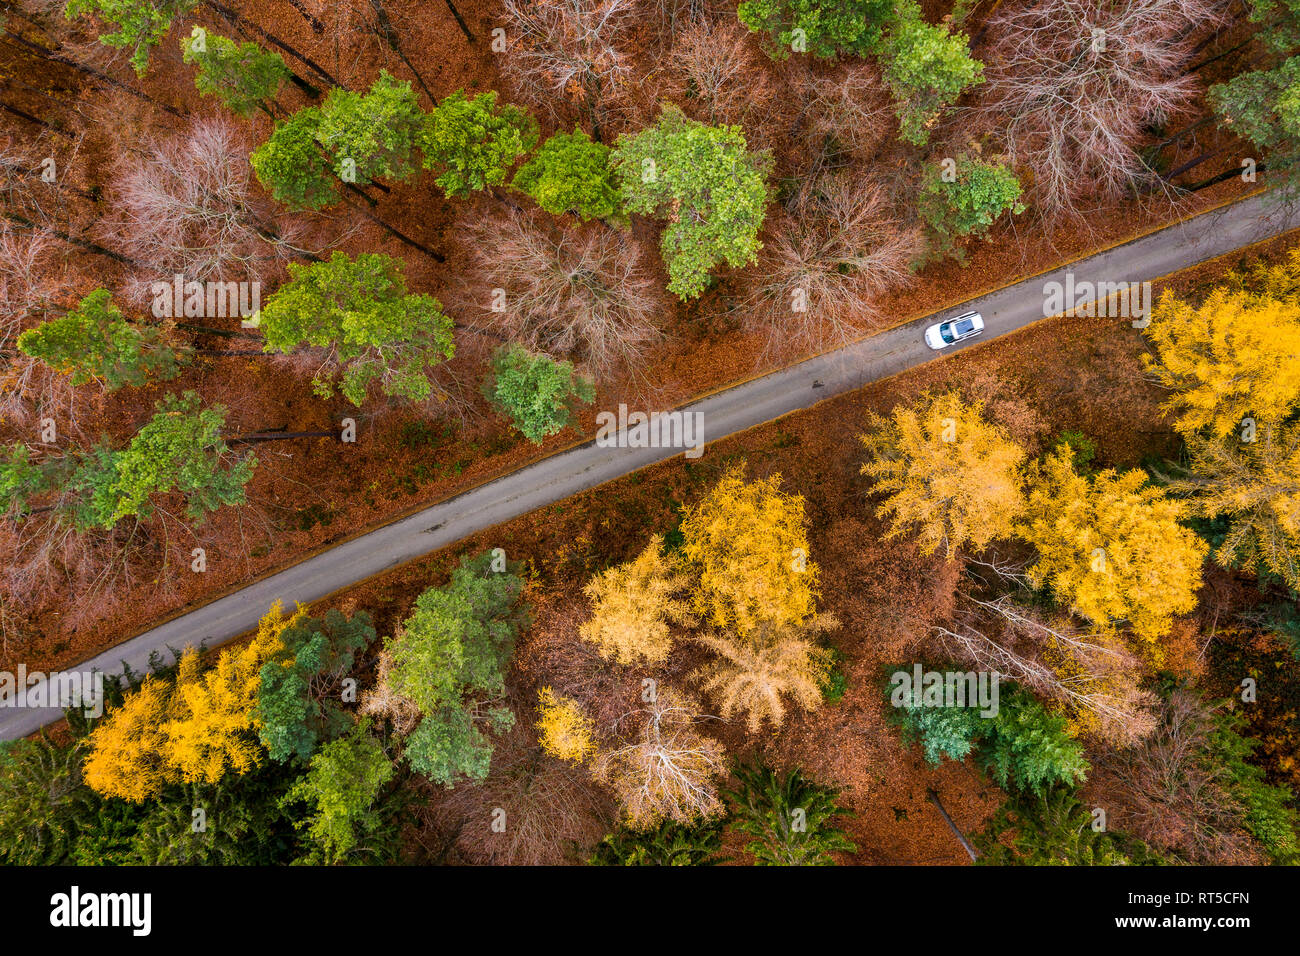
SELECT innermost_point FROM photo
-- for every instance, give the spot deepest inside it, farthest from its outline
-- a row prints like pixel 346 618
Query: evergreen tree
pixel 790 817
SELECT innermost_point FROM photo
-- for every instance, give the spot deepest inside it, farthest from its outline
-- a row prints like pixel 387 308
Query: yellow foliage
pixel 632 606
pixel 949 476
pixel 193 730
pixel 564 730
pixel 1111 547
pixel 125 758
pixel 1233 356
pixel 1257 485
pixel 752 675
pixel 748 547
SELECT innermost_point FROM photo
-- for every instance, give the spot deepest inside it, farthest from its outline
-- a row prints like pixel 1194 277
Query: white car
pixel 943 334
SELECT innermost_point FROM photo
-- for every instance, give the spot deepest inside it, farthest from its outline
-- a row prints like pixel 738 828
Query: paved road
pixel 726 413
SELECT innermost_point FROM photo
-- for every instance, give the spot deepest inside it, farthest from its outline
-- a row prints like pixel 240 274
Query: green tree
pixel 1053 829
pixel 706 183
pixel 927 68
pixel 40 793
pixel 242 75
pixel 371 135
pixel 539 395
pixel 178 450
pixel 668 844
pixel 341 786
pixel 472 143
pixel 570 173
pixel 1263 105
pixel 372 329
pixel 140 24
pixel 291 165
pixel 95 343
pixel 968 201
pixel 790 817
pixel 448 659
pixel 1022 745
pixel 299 694
pixel 820 27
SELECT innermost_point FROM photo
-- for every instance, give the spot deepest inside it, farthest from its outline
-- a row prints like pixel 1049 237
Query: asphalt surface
pixel 725 413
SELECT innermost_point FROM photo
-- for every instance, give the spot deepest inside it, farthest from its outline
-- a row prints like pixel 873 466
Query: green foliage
pixel 668 844
pixel 538 394
pixel 178 450
pixel 791 818
pixel 242 75
pixel 93 342
pixel 1054 829
pixel 473 143
pixel 837 681
pixel 40 795
pixel 372 135
pixel 927 68
pixel 298 696
pixel 1268 814
pixel 140 24
pixel 570 173
pixel 1023 746
pixel 1263 105
pixel 1083 448
pixel 360 311
pixel 341 786
pixel 292 167
pixel 979 193
pixel 706 183
pixel 825 27
pixel 449 659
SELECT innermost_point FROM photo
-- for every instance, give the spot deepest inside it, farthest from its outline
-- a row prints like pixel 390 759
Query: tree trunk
pixel 970 850
pixel 234 18
pixel 389 35
pixel 459 21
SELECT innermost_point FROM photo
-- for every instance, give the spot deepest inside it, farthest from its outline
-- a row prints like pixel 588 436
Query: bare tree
pixel 554 814
pixel 191 209
pixel 581 292
pixel 715 72
pixel 847 107
pixel 836 248
pixel 668 770
pixel 1173 793
pixel 1073 86
pixel 565 51
pixel 1093 675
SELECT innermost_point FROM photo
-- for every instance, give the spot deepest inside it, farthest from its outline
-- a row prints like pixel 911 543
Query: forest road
pixel 725 413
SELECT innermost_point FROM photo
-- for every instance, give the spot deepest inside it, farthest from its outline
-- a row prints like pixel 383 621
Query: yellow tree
pixel 753 675
pixel 632 606
pixel 1234 356
pixel 748 548
pixel 126 758
pixel 947 475
pixel 1112 547
pixel 564 731
pixel 1256 484
pixel 211 730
